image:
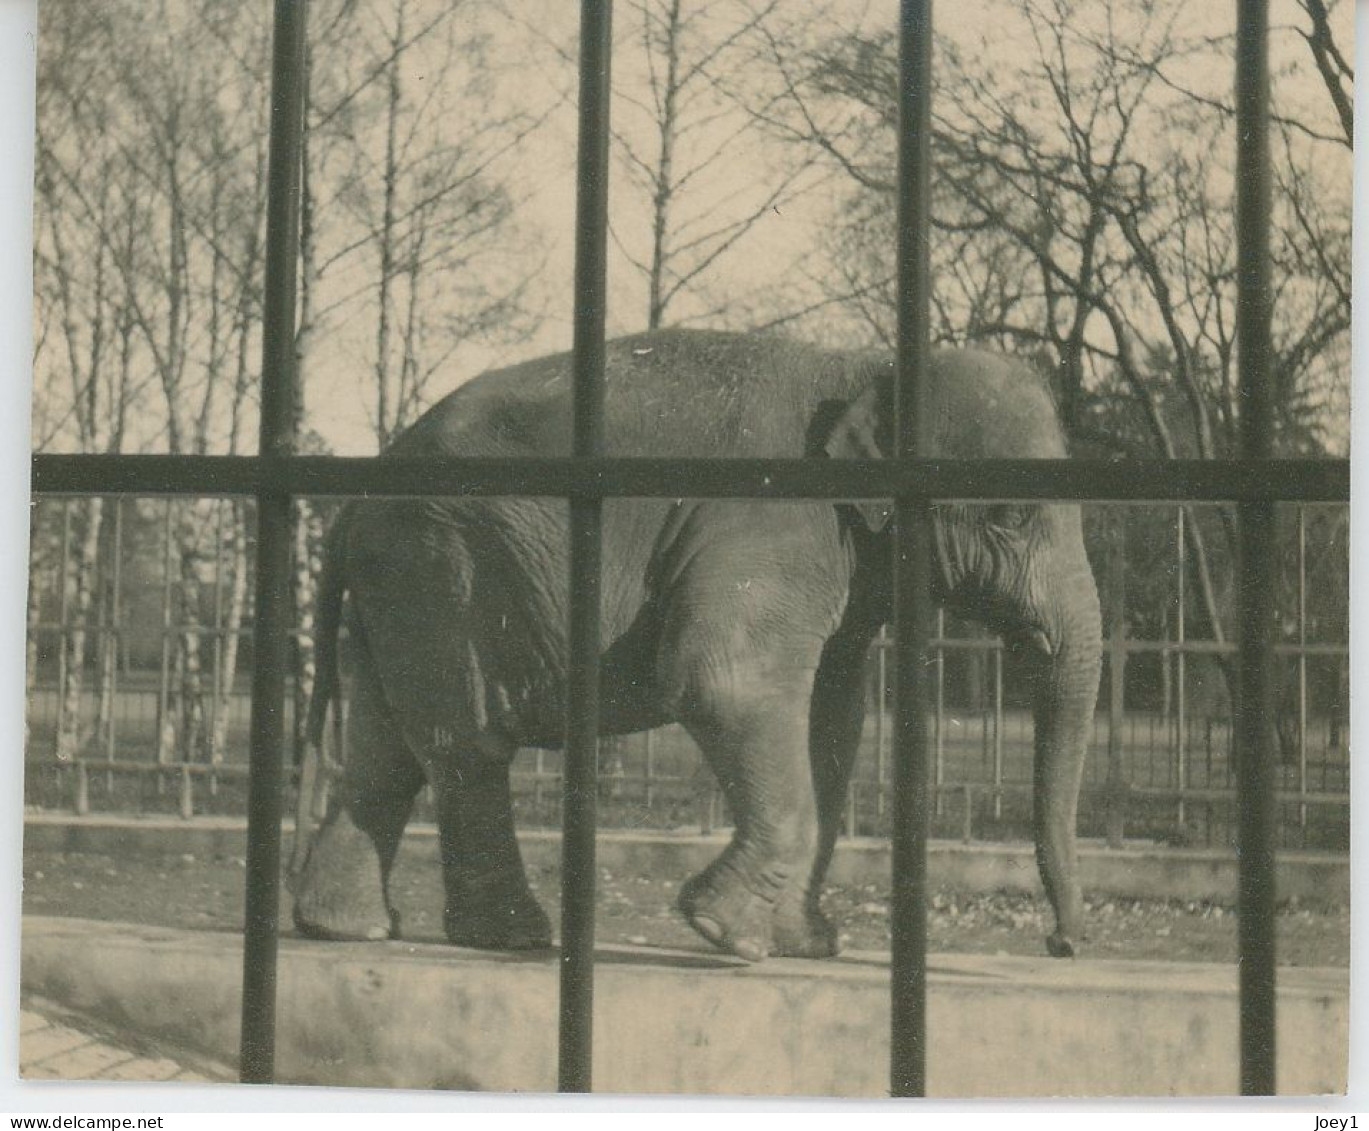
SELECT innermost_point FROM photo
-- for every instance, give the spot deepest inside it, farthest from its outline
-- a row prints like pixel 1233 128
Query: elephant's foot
pixel 728 914
pixel 341 917
pixel 514 922
pixel 801 930
pixel 1069 931
pixel 340 894
pixel 1059 946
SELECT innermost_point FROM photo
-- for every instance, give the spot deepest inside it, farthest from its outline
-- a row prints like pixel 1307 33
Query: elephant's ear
pixel 863 431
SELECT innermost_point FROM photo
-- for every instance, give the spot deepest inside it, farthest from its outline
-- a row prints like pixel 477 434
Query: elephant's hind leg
pixel 835 724
pixel 489 904
pixel 342 892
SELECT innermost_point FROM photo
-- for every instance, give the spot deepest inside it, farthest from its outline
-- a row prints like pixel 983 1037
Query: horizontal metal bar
pixel 1094 793
pixel 195 769
pixel 1281 796
pixel 1131 644
pixel 124 629
pixel 238 770
pixel 1128 644
pixel 1304 481
pixel 1219 648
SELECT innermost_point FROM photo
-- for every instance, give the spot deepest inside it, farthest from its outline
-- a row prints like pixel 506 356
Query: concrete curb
pixel 402 1015
pixel 1140 871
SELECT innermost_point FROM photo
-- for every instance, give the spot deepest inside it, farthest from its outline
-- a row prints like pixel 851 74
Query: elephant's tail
pixel 313 773
pixel 332 589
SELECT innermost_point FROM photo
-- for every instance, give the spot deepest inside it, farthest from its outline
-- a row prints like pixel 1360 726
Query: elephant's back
pixel 699 393
pixel 670 393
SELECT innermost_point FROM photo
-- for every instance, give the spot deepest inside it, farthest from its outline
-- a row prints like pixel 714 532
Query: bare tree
pixel 1082 209
pixel 82 215
pixel 145 124
pixel 691 151
pixel 1335 70
pixel 697 177
pixel 420 245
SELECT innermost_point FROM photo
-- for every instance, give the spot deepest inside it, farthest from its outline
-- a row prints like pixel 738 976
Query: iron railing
pixel 151 711
pixel 275 476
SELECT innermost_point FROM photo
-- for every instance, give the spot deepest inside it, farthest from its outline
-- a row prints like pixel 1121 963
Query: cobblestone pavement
pixel 55 1046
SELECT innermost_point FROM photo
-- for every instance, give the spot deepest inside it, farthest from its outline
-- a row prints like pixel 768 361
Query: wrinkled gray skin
pixel 746 622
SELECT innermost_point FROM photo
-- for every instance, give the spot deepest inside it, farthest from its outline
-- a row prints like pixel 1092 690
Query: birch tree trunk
pixel 191 664
pixel 80 582
pixel 232 628
pixel 34 620
pixel 110 627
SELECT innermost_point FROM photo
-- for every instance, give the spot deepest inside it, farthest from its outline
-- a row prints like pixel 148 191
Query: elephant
pixel 746 621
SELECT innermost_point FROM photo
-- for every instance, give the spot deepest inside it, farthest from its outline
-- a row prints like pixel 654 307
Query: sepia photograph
pixel 688 548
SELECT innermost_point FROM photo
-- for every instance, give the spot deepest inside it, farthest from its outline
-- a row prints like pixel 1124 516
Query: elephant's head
pixel 1019 568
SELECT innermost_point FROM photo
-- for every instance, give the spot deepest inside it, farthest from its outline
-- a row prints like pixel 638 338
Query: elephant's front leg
pixel 488 902
pixel 342 891
pixel 836 721
pixel 753 729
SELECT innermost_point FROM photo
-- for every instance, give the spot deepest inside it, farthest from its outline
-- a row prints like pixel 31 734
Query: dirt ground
pixel 207 894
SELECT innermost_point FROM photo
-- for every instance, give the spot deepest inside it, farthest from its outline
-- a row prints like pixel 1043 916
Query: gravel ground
pixel 207 893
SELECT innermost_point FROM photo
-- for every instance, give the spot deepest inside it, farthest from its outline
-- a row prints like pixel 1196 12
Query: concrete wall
pixel 401 1015
pixel 1140 871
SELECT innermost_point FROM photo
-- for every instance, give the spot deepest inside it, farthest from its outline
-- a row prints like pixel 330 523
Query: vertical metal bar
pixel 1181 752
pixel 215 754
pixel 1302 667
pixel 270 651
pixel 164 684
pixel 912 563
pixel 582 722
pixel 1116 779
pixel 980 659
pixel 1117 667
pixel 998 731
pixel 881 747
pixel 116 630
pixel 63 603
pixel 1256 591
pixel 939 715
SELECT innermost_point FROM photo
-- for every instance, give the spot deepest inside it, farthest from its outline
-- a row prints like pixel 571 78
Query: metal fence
pixel 140 663
pixel 275 476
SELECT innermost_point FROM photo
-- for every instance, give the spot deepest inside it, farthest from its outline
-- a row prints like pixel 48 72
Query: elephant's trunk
pixel 1066 692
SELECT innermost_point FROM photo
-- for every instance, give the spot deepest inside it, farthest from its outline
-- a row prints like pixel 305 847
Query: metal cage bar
pixel 912 800
pixel 270 657
pixel 1257 587
pixel 576 1043
pixel 1290 480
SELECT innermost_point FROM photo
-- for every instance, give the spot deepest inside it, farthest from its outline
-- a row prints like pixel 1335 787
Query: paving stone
pixel 88 1062
pixel 51 1050
pixel 143 1069
pixel 42 1044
